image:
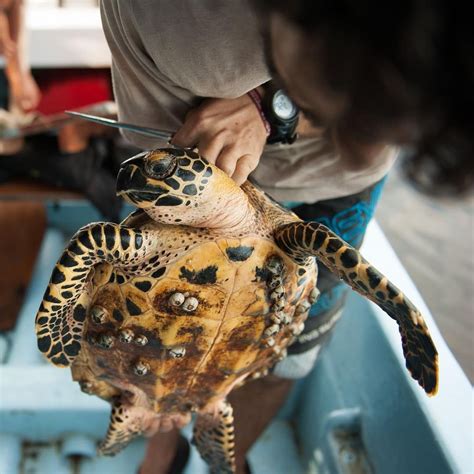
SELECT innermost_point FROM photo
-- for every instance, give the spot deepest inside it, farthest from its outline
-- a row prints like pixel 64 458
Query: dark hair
pixel 400 63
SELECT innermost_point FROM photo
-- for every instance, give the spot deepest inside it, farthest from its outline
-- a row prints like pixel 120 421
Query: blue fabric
pixel 328 300
pixel 351 223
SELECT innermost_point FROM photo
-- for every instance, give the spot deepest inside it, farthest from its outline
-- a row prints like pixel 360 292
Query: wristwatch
pixel 281 113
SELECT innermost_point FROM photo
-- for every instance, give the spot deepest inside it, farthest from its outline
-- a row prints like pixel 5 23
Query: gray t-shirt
pixel 168 55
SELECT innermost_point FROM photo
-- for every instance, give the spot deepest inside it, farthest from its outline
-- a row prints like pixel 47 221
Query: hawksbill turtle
pixel 201 288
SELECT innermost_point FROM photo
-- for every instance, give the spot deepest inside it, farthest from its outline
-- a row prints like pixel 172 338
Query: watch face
pixel 283 106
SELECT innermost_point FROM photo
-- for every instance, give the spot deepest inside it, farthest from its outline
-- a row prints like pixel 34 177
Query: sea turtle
pixel 201 288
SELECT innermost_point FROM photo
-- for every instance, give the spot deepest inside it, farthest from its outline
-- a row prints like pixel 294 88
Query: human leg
pixel 255 404
pixel 164 452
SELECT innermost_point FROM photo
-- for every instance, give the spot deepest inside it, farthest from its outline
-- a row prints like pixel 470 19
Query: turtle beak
pixel 137 160
pixel 130 178
pixel 134 186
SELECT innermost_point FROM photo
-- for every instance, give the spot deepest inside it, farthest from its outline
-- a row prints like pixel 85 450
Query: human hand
pixel 228 132
pixel 25 92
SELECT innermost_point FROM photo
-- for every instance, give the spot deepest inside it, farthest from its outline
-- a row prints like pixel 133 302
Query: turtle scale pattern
pixel 130 323
pixel 199 290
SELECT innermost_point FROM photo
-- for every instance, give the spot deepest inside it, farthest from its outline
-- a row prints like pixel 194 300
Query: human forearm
pixel 24 91
pixel 15 12
pixel 7 45
pixel 15 64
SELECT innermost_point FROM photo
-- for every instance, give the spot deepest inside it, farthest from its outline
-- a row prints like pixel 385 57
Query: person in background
pixel 77 157
pixel 312 100
pixel 24 93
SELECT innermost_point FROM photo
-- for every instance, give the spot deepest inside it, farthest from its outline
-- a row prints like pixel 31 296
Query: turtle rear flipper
pixel 124 426
pixel 305 239
pixel 60 319
pixel 213 436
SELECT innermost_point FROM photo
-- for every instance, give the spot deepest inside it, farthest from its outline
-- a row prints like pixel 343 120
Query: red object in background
pixel 66 89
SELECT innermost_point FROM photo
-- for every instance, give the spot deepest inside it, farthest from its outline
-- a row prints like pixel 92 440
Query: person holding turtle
pixel 310 100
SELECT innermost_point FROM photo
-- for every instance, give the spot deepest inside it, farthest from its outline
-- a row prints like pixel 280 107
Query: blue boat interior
pixel 357 412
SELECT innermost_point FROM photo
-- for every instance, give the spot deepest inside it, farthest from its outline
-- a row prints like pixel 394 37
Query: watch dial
pixel 283 106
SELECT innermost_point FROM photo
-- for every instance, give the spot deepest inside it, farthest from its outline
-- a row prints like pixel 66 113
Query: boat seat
pixel 23 222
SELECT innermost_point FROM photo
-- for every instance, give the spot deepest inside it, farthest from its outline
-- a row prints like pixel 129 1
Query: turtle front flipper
pixel 304 239
pixel 61 316
pixel 213 436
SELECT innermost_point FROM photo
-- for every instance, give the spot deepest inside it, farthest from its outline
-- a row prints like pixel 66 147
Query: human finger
pixel 245 165
pixel 211 147
pixel 28 103
pixel 194 126
pixel 227 159
pixel 31 95
pixel 187 136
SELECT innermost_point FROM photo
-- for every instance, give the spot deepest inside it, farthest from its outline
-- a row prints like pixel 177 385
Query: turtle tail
pixel 302 240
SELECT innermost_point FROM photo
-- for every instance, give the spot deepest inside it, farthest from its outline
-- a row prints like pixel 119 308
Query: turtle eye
pixel 161 168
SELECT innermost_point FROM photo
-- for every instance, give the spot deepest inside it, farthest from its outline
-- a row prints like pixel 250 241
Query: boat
pixel 357 412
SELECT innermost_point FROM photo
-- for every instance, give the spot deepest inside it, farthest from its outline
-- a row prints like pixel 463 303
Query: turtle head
pixel 175 186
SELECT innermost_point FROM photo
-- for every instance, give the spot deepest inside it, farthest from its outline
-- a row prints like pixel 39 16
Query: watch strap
pixel 257 100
